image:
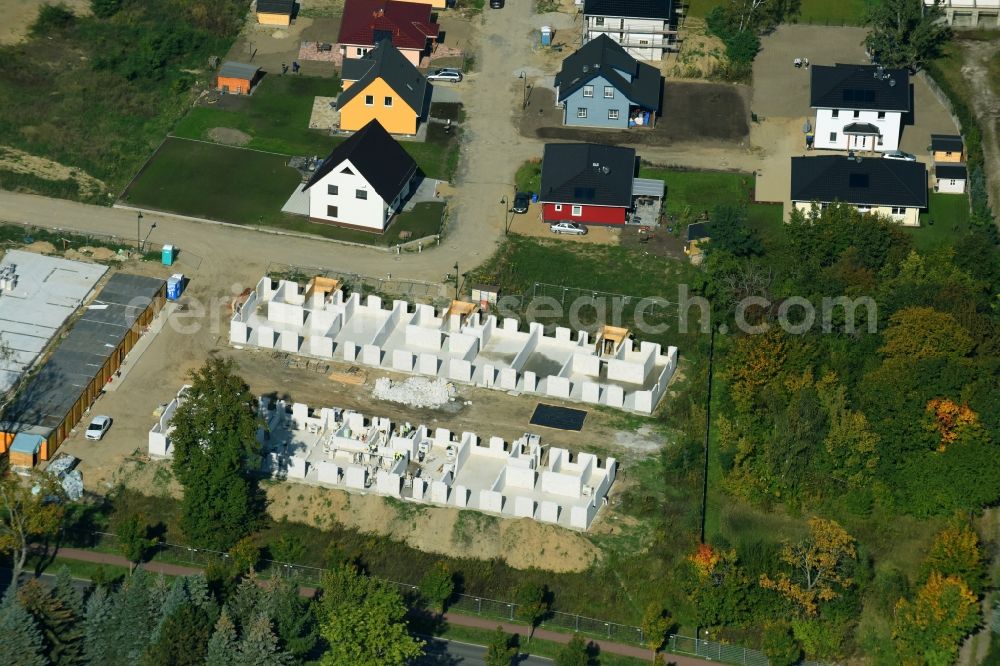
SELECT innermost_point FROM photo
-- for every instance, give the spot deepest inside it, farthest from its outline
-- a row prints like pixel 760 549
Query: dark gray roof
pixel 860 87
pixel 275 6
pixel 377 156
pixel 588 174
pixel 950 171
pixel 663 9
pixel 861 128
pixel 102 326
pixel 946 143
pixel 873 182
pixel 697 231
pixel 605 57
pixel 386 62
pixel 238 70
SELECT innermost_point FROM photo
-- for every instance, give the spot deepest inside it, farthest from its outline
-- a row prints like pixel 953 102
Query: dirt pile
pixel 229 136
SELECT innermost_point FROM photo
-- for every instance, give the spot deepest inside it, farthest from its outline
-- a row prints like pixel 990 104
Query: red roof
pixel 409 23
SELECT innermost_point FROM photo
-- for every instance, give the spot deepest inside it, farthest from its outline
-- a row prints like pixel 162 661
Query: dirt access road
pixel 977 56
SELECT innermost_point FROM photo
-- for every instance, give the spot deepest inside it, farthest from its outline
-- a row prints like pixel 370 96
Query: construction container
pixel 175 285
pixel 546 35
pixel 168 255
pixel 24 450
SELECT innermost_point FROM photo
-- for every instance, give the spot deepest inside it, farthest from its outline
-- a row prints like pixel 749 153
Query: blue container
pixel 175 285
pixel 168 255
pixel 534 197
pixel 546 35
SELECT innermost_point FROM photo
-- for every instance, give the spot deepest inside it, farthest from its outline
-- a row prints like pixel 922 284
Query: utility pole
pixel 138 232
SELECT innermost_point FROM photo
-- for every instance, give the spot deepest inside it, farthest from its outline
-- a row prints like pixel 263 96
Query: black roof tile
pixel 605 57
pixel 859 87
pixel 387 63
pixel 663 9
pixel 873 181
pixel 588 174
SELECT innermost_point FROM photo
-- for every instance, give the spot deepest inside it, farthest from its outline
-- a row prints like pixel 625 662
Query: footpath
pixel 456 619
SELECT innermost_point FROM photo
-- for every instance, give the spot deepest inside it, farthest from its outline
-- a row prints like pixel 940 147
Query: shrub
pixel 52 18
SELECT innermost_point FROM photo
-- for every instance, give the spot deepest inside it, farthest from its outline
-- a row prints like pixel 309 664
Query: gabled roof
pixel 859 87
pixel 946 143
pixel 587 174
pixel 387 63
pixel 275 6
pixel 697 231
pixel 866 129
pixel 662 9
pixel 950 171
pixel 367 22
pixel 606 58
pixel 872 181
pixel 376 157
pixel 238 70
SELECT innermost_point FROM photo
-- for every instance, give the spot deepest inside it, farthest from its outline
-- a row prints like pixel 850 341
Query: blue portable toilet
pixel 546 35
pixel 175 285
pixel 534 197
pixel 167 256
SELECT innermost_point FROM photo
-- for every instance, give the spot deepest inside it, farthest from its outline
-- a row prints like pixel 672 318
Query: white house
pixel 892 188
pixel 982 14
pixel 859 107
pixel 647 29
pixel 363 182
pixel 950 178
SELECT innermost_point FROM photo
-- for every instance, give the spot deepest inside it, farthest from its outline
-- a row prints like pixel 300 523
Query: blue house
pixel 603 86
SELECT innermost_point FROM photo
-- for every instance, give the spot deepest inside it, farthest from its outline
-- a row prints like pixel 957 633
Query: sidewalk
pixel 476 622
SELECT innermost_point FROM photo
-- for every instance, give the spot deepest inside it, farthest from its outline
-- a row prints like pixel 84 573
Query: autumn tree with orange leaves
pixel 929 629
pixel 956 551
pixel 951 420
pixel 820 566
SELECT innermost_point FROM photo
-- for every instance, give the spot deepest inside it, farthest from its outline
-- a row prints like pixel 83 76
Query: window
pixel 361 52
pixel 879 141
pixel 612 114
pixel 948 154
pixel 331 211
pixel 857 114
pixel 588 91
pixel 369 100
pixel 835 113
pixel 951 182
pixel 898 210
pixel 833 136
pixel 558 207
pixel 881 115
pixel 609 92
pixel 577 211
pixel 599 20
pixel 361 194
pixel 581 112
pixel 387 101
pixel 331 190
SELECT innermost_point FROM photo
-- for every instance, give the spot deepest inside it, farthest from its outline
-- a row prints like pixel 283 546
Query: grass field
pixel 529 176
pixel 823 12
pixel 947 217
pixel 692 192
pixel 276 117
pixel 183 178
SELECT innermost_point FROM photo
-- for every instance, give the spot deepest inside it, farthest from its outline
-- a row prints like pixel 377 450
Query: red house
pixel 587 183
pixel 407 25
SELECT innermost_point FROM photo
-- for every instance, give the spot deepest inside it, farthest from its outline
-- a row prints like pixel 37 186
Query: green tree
pixel 499 651
pixel 574 653
pixel 105 8
pixel 98 645
pixel 27 512
pixel 58 620
pixel 729 232
pixel 223 646
pixel 293 617
pixel 244 556
pixel 287 548
pixel 905 33
pixel 217 457
pixel 532 602
pixel 929 628
pixel 183 637
pixel 956 552
pixel 780 645
pixel 437 586
pixel 363 622
pixel 133 539
pixel 21 639
pixel 920 332
pixel 52 18
pixel 655 624
pixel 259 646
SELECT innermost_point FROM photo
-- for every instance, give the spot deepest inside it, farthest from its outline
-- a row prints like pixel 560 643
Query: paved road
pixel 441 652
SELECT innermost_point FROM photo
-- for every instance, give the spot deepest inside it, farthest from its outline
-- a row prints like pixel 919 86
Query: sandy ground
pixel 531 224
pixel 22 162
pixel 978 54
pixel 18 15
pixel 700 53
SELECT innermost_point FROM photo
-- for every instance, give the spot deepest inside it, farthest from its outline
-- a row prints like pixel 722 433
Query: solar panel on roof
pixel 857 180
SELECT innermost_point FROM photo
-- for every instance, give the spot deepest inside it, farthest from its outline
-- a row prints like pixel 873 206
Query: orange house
pixel 384 86
pixel 947 148
pixel 237 78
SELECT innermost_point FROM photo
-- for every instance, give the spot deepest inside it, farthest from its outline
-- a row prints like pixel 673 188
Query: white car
pixel 899 155
pixel 568 228
pixel 448 75
pixel 98 427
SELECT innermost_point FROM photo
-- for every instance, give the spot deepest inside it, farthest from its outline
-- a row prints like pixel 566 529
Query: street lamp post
pixel 138 232
pixel 524 90
pixel 506 225
pixel 456 280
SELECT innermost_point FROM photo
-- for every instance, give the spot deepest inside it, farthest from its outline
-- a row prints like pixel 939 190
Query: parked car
pixel 447 75
pixel 899 155
pixel 568 228
pixel 98 427
pixel 496 4
pixel 521 202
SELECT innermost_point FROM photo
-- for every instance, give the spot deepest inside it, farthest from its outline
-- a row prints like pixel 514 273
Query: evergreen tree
pixel 99 618
pixel 294 618
pixel 223 648
pixel 182 639
pixel 21 642
pixel 259 646
pixel 198 592
pixel 59 623
pixel 176 598
pixel 137 605
pixel 217 457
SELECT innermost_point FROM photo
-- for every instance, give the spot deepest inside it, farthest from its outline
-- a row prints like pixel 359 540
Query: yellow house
pixel 384 86
pixel 275 12
pixel 947 148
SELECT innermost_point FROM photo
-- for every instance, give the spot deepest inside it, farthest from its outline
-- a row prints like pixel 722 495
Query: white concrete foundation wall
pixel 548 512
pixel 524 507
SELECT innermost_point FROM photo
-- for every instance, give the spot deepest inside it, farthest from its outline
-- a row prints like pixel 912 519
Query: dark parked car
pixel 521 202
pixel 496 4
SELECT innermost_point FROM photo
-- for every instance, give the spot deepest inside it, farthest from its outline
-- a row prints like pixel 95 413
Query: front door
pixel 860 142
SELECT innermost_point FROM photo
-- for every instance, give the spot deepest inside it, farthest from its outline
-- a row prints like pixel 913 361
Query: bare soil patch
pixel 977 56
pixel 700 55
pixel 41 247
pixel 18 15
pixel 21 162
pixel 229 136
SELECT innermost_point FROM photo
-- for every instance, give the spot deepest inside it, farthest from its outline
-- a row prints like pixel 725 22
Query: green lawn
pixel 529 176
pixel 183 178
pixel 691 192
pixel 832 12
pixel 947 217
